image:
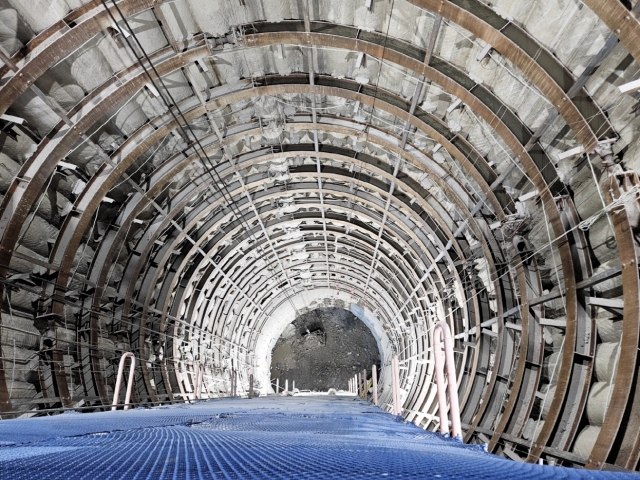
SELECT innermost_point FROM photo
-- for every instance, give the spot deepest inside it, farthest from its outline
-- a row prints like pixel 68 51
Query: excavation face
pixel 323 349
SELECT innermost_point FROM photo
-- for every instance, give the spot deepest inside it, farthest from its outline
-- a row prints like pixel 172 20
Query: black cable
pixel 221 186
pixel 211 167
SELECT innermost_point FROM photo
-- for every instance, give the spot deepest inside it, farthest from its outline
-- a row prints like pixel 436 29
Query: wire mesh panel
pixel 266 438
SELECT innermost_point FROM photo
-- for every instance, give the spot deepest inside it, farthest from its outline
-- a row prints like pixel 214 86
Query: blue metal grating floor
pixel 264 438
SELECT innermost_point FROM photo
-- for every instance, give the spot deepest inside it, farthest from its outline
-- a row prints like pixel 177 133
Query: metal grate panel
pixel 266 438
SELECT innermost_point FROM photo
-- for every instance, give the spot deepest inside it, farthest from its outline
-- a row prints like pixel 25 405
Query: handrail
pixel 199 380
pixel 442 329
pixel 132 371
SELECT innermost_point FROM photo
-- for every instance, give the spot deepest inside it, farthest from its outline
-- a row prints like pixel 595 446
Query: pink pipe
pixel 374 379
pixel 199 380
pixel 132 369
pixel 442 329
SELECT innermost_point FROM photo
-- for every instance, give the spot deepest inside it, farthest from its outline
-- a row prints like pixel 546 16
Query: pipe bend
pixel 132 370
pixel 441 331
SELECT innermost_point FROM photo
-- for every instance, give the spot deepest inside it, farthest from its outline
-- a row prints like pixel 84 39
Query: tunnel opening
pixel 323 349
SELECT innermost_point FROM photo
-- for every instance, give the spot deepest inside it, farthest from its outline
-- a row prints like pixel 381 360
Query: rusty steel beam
pixel 248 277
pixel 174 301
pixel 621 425
pixel 256 94
pixel 274 156
pixel 565 106
pixel 170 249
pixel 376 104
pixel 525 383
pixel 535 61
pixel 500 40
pixel 584 348
pixel 623 23
pixel 44 55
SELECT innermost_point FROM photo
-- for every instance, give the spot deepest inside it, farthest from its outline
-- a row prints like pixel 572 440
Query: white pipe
pixel 116 392
pixel 441 328
pixel 277 385
pixel 374 379
pixel 286 387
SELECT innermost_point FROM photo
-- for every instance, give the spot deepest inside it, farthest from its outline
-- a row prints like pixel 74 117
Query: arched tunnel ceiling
pixel 182 178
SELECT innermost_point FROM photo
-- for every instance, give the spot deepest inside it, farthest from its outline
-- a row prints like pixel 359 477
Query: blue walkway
pixel 264 438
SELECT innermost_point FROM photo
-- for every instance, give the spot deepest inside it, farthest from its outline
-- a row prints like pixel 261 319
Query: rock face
pixel 322 349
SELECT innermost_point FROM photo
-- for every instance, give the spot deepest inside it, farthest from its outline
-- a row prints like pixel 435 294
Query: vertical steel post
pixel 199 380
pixel 395 379
pixel 374 380
pixel 364 383
pixel 233 382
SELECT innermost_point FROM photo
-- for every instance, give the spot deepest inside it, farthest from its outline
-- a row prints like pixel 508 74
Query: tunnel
pixel 183 179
